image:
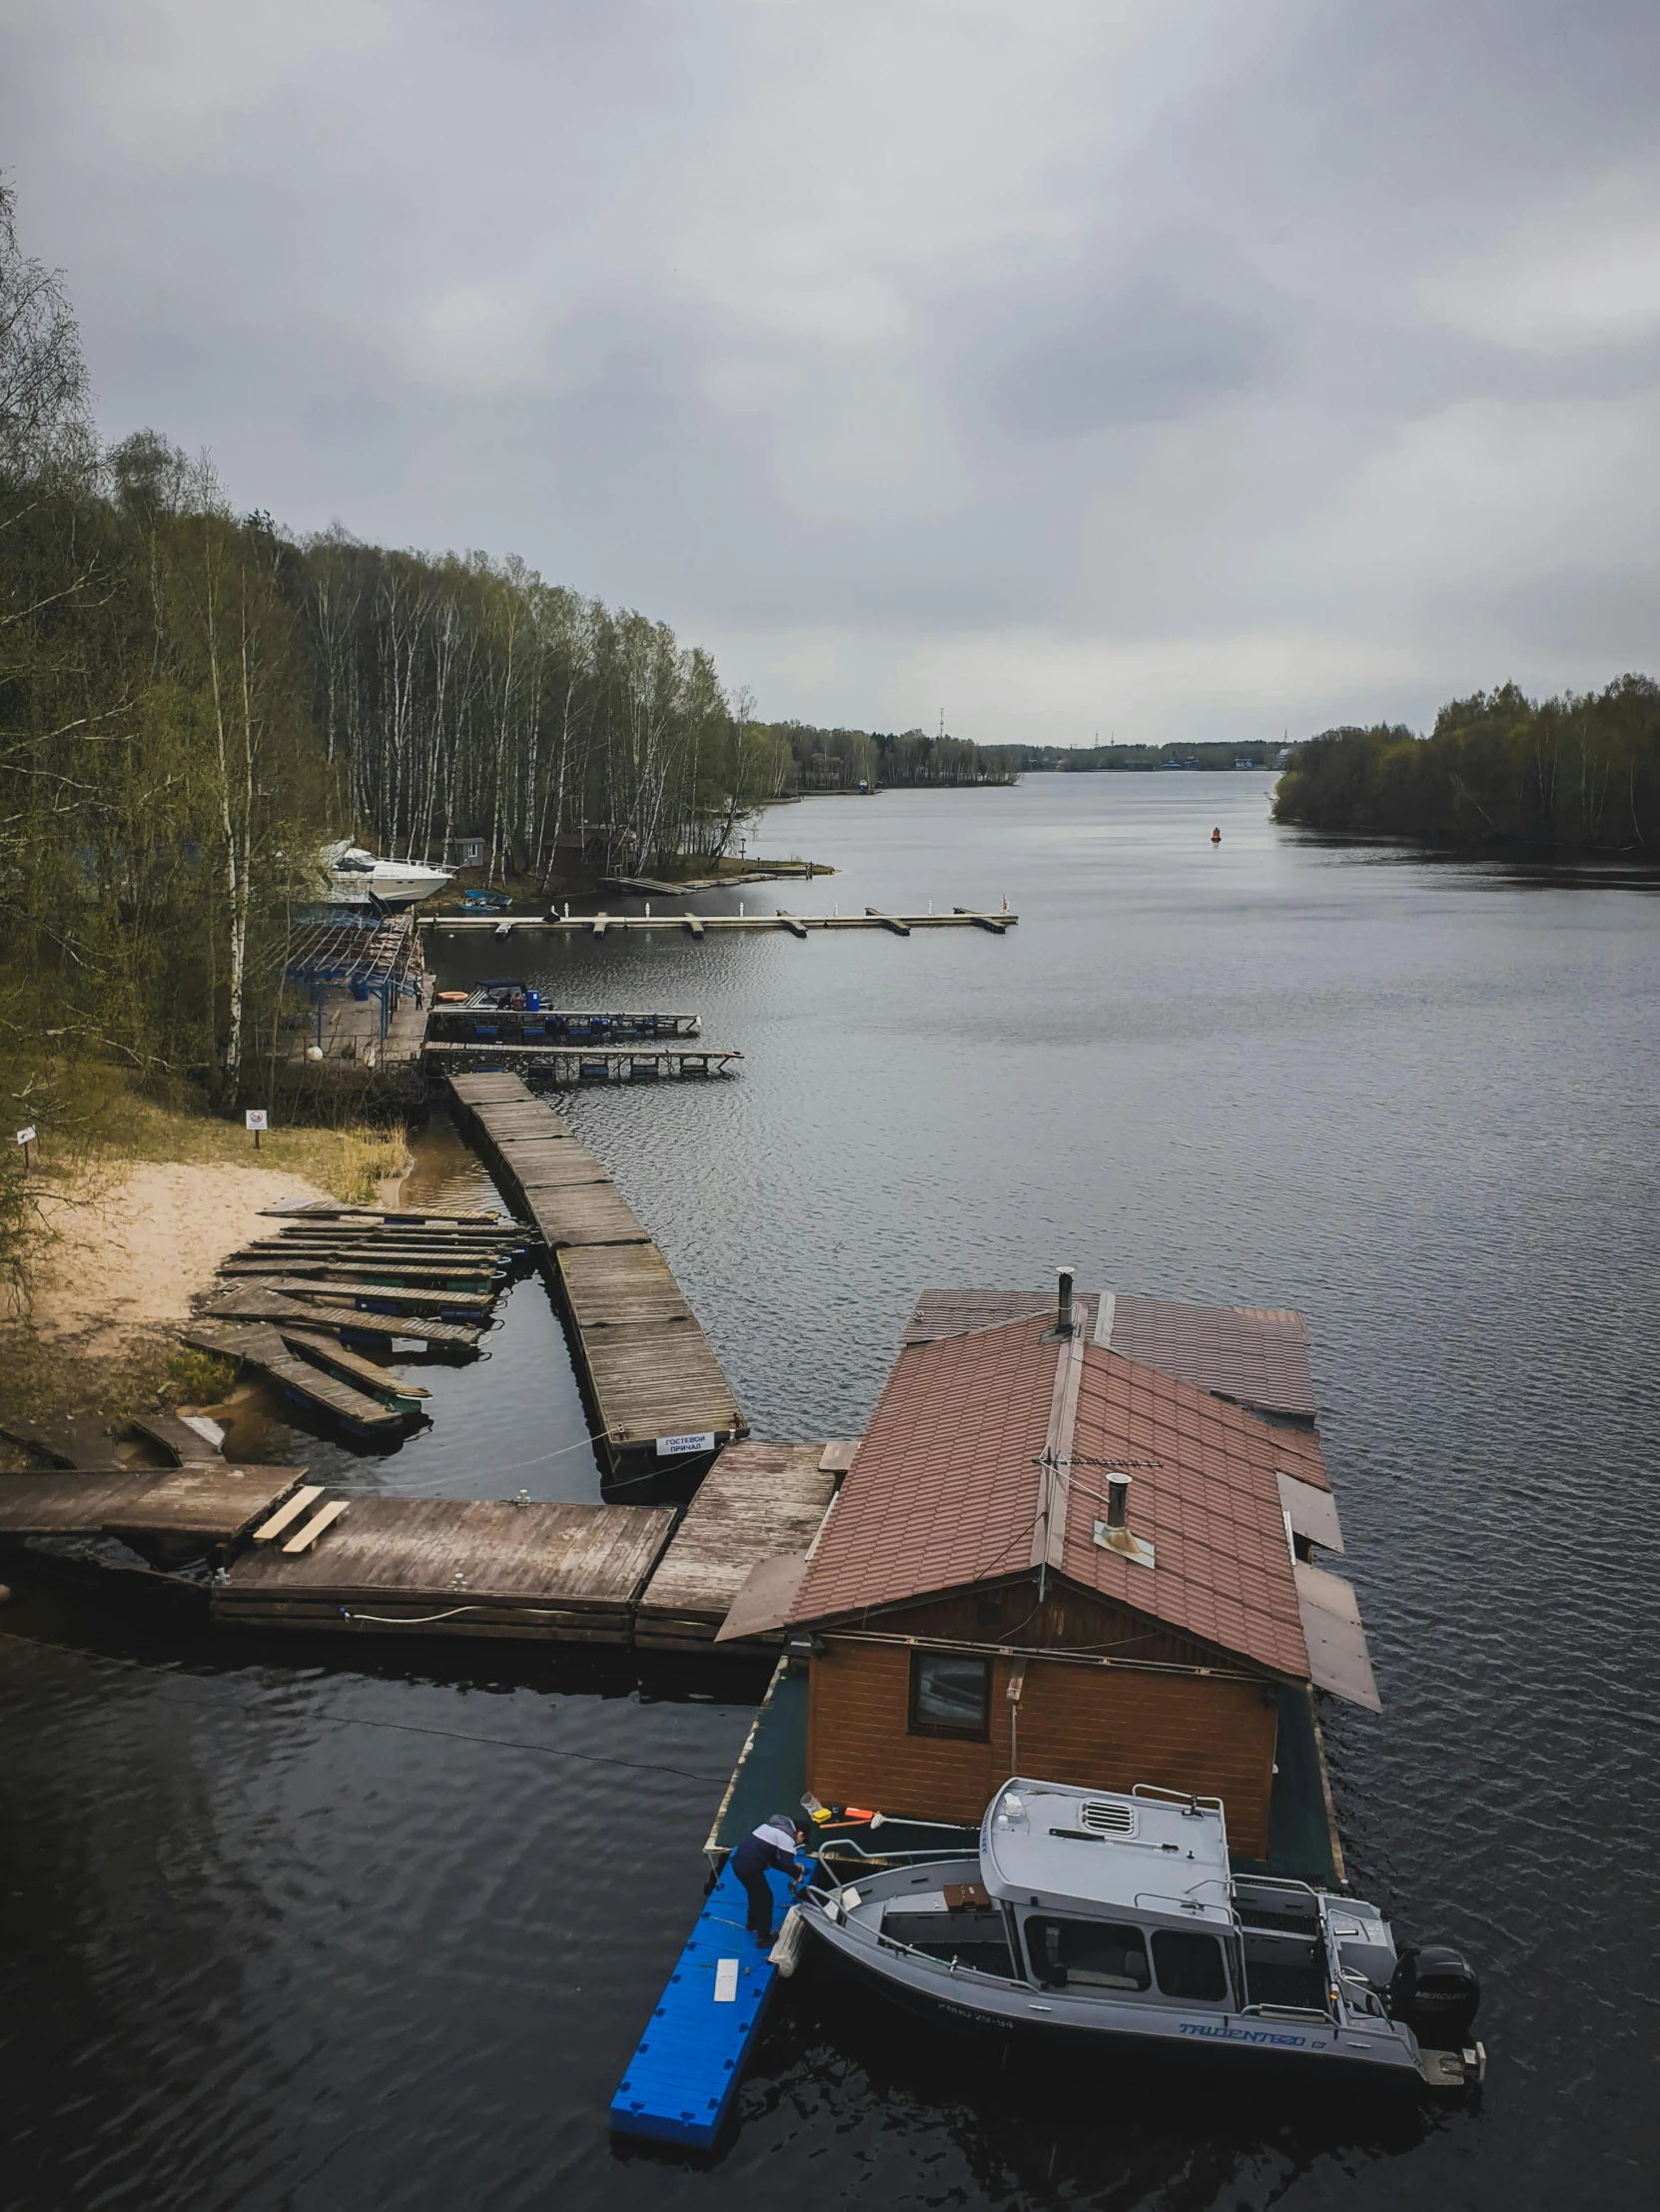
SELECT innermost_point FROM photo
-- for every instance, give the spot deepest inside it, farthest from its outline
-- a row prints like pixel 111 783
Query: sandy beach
pixel 135 1255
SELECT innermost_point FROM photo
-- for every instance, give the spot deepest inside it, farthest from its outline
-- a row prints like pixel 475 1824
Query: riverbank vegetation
pixel 1578 773
pixel 807 759
pixel 192 702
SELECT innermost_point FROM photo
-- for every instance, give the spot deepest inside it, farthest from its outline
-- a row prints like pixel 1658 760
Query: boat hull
pixel 980 2004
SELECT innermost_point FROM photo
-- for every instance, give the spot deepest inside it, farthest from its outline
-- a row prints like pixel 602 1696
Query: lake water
pixel 297 1927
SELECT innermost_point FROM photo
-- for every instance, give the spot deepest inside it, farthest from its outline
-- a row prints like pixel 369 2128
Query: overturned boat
pixel 1120 1916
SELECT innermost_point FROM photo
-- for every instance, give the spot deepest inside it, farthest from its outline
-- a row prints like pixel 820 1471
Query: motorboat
pixel 1114 1914
pixel 354 877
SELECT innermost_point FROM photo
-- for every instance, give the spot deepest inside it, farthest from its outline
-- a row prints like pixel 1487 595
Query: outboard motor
pixel 1435 1991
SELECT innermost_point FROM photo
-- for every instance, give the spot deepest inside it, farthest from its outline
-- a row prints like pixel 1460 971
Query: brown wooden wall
pixel 1107 1727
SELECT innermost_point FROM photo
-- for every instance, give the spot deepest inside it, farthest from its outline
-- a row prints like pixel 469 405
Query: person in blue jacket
pixel 772 1847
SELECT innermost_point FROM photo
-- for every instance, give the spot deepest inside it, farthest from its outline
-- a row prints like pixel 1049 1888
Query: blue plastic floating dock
pixel 682 2081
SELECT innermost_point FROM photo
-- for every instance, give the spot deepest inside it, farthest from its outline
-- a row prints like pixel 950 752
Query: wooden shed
pixel 1054 1560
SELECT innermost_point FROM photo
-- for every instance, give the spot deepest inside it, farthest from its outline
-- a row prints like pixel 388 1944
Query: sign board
pixel 676 1447
pixel 255 1119
pixel 26 1137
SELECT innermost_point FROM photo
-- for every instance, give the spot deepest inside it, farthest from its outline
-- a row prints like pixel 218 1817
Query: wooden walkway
pixel 656 1387
pixel 697 925
pixel 568 1065
pixel 179 1511
pixel 757 1509
pixel 453 1567
pixel 480 1016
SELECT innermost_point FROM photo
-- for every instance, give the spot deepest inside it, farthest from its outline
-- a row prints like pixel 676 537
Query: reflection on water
pixel 290 1925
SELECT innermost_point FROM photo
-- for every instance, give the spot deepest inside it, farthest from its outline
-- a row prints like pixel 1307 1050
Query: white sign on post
pixel 255 1119
pixel 676 1447
pixel 26 1137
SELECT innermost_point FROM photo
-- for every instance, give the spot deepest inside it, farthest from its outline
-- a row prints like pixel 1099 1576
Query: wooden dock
pixel 250 1303
pixel 654 1385
pixel 755 1514
pixel 699 925
pixel 570 1065
pixel 176 1512
pixel 481 1018
pixel 454 1567
pixel 378 1414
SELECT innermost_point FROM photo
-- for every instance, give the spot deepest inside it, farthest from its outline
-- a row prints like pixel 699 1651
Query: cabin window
pixel 950 1694
pixel 1190 1965
pixel 1087 1955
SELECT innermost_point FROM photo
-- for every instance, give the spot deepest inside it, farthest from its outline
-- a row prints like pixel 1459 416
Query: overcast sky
pixel 1160 366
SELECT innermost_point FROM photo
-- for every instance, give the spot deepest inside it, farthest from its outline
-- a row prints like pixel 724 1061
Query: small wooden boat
pixel 1120 1916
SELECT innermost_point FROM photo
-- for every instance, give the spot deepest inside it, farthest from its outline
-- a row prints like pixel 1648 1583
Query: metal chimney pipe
pixel 1118 1499
pixel 1063 1319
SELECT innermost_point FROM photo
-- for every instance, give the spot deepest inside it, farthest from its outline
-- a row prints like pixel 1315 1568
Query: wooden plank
pixel 324 1518
pixel 285 1516
pixel 993 922
pixel 797 929
pixel 693 925
pixel 245 1303
pixel 187 1445
pixel 415 1301
pixel 890 921
pixel 317 1210
pixel 376 1380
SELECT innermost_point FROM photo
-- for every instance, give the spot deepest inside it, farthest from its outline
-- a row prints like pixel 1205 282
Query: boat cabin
pixel 1052 1556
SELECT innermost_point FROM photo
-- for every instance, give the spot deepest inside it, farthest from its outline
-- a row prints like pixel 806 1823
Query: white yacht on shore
pixel 354 877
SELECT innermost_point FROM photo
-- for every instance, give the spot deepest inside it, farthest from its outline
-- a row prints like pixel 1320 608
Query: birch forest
pixel 193 702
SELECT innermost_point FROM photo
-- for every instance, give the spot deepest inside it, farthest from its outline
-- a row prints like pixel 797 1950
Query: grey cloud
pixel 1130 330
pixel 1149 349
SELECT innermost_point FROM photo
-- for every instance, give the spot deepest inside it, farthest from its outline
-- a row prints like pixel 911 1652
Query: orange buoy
pixel 1215 837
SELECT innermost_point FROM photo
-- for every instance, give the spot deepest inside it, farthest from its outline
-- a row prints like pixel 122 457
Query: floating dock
pixel 479 1016
pixel 182 1511
pixel 375 1414
pixel 698 924
pixel 568 1065
pixel 250 1302
pixel 655 1386
pixel 683 2076
pixel 453 1567
pixel 748 1529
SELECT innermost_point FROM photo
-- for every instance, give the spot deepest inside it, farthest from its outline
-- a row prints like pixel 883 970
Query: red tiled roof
pixel 1252 1353
pixel 945 1492
pixel 944 1486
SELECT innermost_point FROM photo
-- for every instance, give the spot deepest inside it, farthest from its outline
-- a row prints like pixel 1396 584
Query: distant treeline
pixel 851 760
pixel 1575 772
pixel 1087 758
pixel 191 703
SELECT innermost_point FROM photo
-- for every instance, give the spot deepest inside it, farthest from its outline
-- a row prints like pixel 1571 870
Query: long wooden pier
pixel 654 1384
pixel 481 1015
pixel 699 925
pixel 568 1065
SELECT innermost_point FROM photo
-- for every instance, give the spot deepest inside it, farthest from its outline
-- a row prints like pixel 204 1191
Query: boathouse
pixel 1075 1543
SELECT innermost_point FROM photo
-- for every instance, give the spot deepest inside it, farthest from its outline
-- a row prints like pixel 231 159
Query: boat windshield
pixel 1093 1954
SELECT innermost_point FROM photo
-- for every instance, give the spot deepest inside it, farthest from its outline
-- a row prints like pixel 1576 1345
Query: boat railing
pixel 1176 1797
pixel 1285 2012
